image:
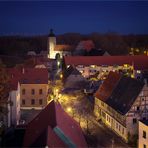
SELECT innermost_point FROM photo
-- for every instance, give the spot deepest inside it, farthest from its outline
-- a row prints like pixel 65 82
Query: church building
pixel 53 49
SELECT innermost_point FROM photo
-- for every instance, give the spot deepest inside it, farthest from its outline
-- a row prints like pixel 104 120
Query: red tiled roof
pixel 107 87
pixel 56 141
pixel 27 76
pixel 138 61
pixel 63 47
pixel 50 117
pixel 119 92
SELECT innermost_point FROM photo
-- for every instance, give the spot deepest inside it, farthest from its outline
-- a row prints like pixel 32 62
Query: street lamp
pixel 69 109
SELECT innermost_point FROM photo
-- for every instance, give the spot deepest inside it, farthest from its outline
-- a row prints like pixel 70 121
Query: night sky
pixel 36 18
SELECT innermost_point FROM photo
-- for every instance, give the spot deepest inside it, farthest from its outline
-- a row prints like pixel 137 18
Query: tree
pixel 4 91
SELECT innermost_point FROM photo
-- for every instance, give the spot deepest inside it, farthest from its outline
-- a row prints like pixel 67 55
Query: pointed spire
pixel 51 34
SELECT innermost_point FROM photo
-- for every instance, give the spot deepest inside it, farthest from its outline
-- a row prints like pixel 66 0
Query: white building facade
pixel 14 107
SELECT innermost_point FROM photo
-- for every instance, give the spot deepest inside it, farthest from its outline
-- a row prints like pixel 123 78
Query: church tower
pixel 51 45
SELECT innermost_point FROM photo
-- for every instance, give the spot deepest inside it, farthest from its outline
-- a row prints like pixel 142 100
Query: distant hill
pixel 114 43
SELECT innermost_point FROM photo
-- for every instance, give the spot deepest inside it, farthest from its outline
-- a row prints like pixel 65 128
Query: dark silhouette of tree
pixel 4 93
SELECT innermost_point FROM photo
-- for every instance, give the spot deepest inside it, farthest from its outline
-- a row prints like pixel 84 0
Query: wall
pixel 28 96
pixel 111 118
pixel 14 109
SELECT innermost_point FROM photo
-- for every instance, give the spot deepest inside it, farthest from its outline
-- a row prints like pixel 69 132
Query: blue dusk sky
pixel 37 17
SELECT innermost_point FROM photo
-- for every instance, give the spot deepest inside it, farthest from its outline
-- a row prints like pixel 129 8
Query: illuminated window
pixel 138 71
pixel 81 71
pixel 132 76
pixel 125 65
pixel 93 66
pixel 23 91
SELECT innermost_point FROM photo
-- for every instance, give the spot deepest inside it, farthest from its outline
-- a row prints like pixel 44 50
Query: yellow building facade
pixel 33 96
pixel 143 134
pixel 111 118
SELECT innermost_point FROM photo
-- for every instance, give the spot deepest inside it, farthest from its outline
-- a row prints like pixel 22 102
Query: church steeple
pixel 51 44
pixel 51 34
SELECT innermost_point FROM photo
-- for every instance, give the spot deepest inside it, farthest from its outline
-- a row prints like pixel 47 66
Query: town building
pixel 33 86
pixel 143 134
pixel 72 78
pixel 132 66
pixel 120 102
pixel 53 127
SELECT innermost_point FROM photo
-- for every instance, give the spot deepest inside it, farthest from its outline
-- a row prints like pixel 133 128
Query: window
pixel 102 103
pixel 123 131
pixel 32 102
pixel 109 119
pixel 116 125
pixel 134 120
pixel 119 127
pixel 103 115
pixel 137 108
pixel 32 91
pixel 23 91
pixel 144 134
pixel 144 146
pixel 40 91
pixel 23 102
pixel 40 101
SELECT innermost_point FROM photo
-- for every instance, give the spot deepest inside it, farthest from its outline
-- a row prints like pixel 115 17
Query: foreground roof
pixel 53 127
pixel 27 76
pixel 106 89
pixel 140 62
pixel 119 92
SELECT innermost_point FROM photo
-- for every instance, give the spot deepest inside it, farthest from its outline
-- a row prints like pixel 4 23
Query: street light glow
pixel 69 109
